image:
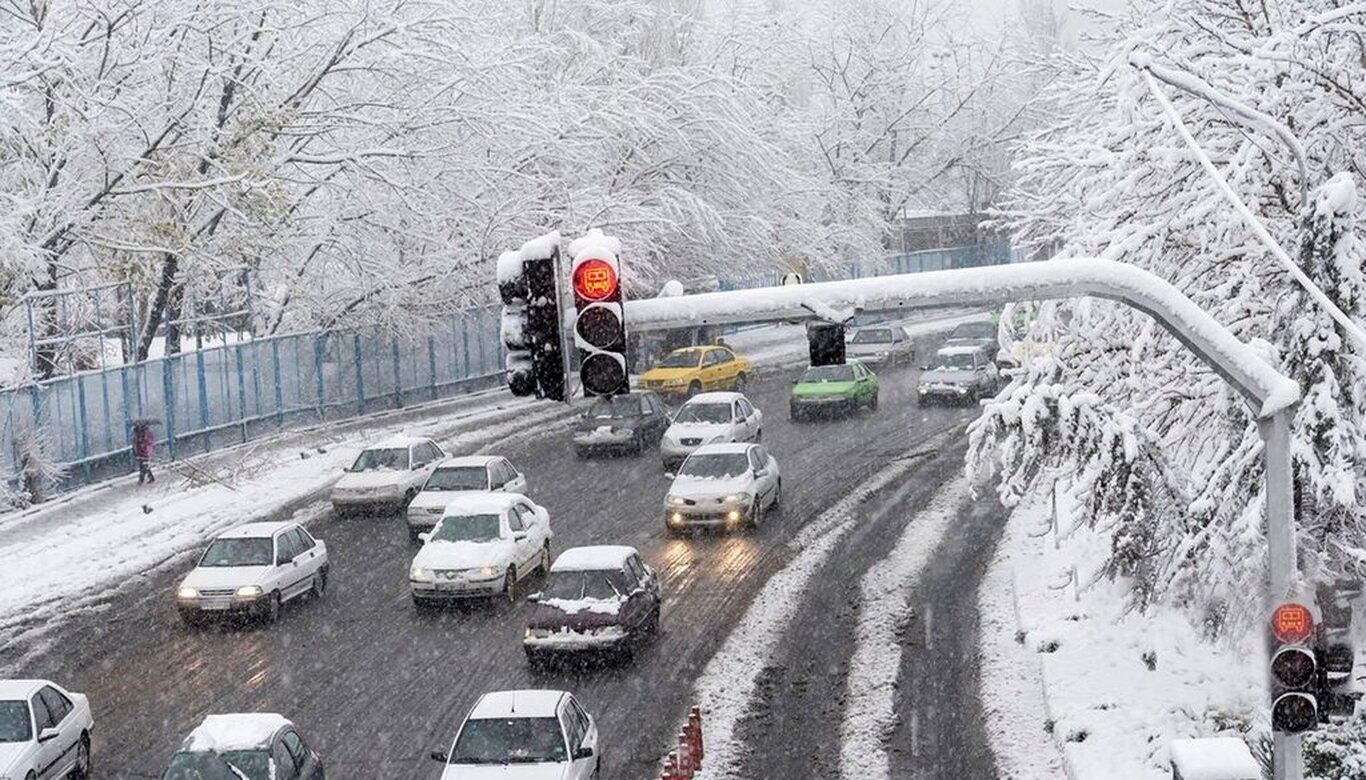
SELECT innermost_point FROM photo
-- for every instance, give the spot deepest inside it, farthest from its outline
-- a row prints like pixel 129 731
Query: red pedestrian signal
pixel 595 279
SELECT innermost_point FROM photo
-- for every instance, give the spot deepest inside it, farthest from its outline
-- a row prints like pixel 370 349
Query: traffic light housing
pixel 600 316
pixel 1294 669
pixel 1336 690
pixel 528 283
pixel 825 342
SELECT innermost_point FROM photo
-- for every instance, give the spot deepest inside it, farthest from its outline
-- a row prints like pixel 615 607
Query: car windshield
pixel 229 765
pixel 14 723
pixel 614 408
pixel 510 741
pixel 459 478
pixel 953 362
pixel 237 552
pixel 844 373
pixel 686 359
pixel 974 330
pixel 704 413
pixel 715 464
pixel 604 585
pixel 874 336
pixel 466 528
pixel 389 459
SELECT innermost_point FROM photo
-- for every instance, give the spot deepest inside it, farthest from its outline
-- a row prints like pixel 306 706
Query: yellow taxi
pixel 691 370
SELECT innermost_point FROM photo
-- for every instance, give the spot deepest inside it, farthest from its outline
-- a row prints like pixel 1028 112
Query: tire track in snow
pixel 871 686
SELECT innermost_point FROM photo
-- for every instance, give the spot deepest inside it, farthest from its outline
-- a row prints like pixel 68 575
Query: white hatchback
pixel 44 731
pixel 710 418
pixel 483 546
pixel 386 475
pixel 251 570
pixel 724 486
pixel 460 475
pixel 526 735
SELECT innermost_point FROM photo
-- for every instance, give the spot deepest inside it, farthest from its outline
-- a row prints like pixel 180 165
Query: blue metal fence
pixel 219 396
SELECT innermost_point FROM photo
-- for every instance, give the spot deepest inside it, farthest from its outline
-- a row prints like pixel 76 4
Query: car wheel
pixel 872 402
pixel 638 443
pixel 694 389
pixel 544 565
pixel 756 515
pixel 82 770
pixel 740 381
pixel 510 585
pixel 758 435
pixel 777 505
pixel 319 583
pixel 408 496
pixel 652 625
pixel 272 610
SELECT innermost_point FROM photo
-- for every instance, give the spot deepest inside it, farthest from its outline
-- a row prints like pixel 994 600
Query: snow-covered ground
pixel 727 685
pixel 1074 671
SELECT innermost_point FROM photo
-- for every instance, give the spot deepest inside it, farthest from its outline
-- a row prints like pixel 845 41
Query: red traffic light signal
pixel 595 280
pixel 1292 623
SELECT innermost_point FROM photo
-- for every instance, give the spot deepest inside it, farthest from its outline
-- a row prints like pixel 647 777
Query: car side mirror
pixel 424 536
pixel 519 536
pixel 49 733
pixel 761 472
pixel 440 755
pixel 583 752
pixel 534 598
pixel 281 560
pixel 668 475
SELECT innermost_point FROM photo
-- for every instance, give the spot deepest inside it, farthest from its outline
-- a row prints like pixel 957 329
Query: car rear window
pixel 458 478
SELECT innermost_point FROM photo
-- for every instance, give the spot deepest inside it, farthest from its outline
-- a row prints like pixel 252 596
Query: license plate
pixel 213 605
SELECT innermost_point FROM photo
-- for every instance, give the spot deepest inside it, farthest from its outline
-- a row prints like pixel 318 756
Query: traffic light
pixel 1336 690
pixel 600 318
pixel 528 282
pixel 825 342
pixel 1294 669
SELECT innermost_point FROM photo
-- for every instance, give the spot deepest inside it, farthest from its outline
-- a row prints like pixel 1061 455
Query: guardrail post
pixel 360 374
pixel 168 403
pixel 398 376
pixel 241 390
pixel 127 413
pixel 203 381
pixel 279 382
pixel 85 425
pixel 431 364
pixel 318 374
pixel 465 342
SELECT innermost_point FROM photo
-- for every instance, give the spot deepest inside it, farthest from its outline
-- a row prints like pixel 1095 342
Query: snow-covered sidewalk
pixel 1080 684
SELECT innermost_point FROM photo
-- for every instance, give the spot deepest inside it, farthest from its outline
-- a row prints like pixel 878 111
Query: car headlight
pixel 962 391
pixel 187 593
pixel 676 500
pixel 738 498
pixel 484 572
pixel 418 573
pixel 537 633
pixel 249 591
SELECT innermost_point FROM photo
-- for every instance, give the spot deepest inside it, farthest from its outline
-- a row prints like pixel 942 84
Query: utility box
pixel 1212 758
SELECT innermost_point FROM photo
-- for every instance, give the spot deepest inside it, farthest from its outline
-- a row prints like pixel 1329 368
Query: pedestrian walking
pixel 144 444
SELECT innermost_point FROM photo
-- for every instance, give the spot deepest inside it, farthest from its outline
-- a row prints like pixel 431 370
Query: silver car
pixel 880 345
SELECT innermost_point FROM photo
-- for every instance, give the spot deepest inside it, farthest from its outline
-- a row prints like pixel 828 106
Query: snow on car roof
pixel 468 460
pixel 962 350
pixel 254 530
pixel 599 557
pixel 397 442
pixel 717 396
pixel 517 704
pixel 480 501
pixel 723 447
pixel 235 731
pixel 19 689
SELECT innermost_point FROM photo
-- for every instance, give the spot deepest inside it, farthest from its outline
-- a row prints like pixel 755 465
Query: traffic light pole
pixel 1272 396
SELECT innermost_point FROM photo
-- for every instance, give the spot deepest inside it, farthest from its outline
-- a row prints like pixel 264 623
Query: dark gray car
pixel 958 373
pixel 629 422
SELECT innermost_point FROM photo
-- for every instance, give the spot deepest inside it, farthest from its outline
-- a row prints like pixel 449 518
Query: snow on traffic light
pixel 599 321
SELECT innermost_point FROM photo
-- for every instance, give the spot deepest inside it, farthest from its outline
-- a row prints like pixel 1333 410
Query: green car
pixel 826 390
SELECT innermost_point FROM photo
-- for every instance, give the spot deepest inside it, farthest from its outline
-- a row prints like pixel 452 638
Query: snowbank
pixel 1116 687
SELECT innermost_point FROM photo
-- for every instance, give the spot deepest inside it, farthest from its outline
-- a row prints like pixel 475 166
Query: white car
pixel 251 570
pixel 710 418
pixel 44 731
pixel 386 475
pixel 724 486
pixel 880 344
pixel 483 546
pixel 454 476
pixel 524 735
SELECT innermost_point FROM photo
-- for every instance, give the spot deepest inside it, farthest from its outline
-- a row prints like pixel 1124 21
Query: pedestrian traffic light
pixel 825 342
pixel 1294 669
pixel 600 317
pixel 528 282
